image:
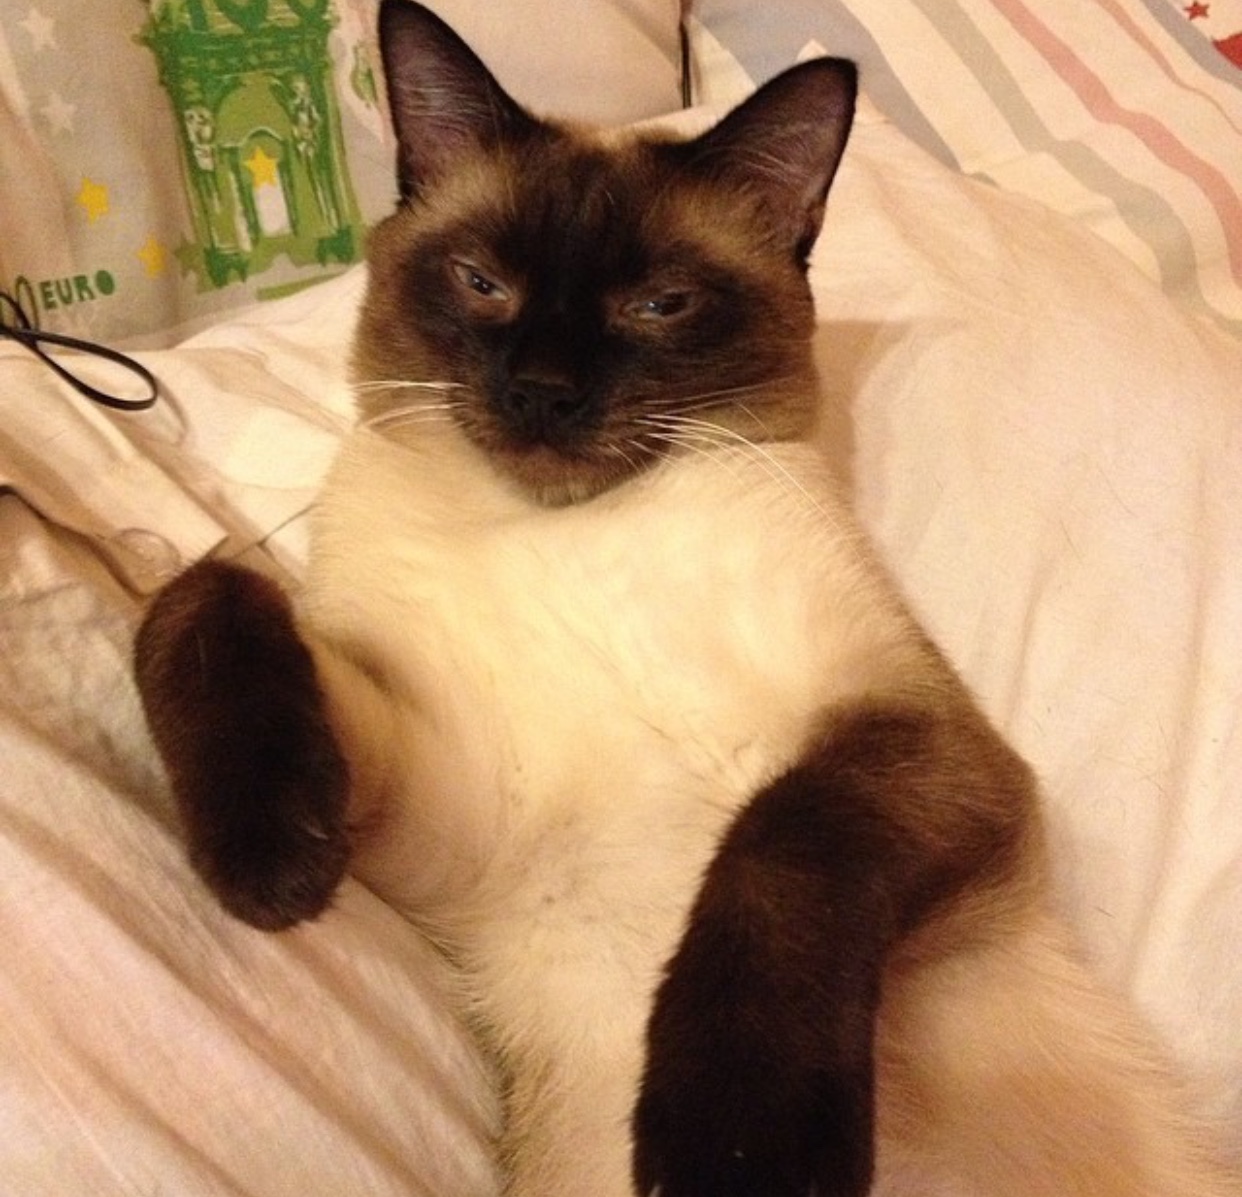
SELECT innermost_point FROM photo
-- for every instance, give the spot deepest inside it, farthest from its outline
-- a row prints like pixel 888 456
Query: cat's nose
pixel 543 408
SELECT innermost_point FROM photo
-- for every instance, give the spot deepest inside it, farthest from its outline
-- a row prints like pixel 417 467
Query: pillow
pixel 604 61
pixel 1127 117
pixel 161 164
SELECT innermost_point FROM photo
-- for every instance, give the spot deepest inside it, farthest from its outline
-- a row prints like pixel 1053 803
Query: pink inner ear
pixel 442 98
pixel 783 145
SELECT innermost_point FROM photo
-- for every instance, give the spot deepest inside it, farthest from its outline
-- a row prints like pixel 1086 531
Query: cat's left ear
pixel 783 145
pixel 444 102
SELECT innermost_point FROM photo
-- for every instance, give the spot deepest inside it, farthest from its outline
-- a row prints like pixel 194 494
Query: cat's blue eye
pixel 474 280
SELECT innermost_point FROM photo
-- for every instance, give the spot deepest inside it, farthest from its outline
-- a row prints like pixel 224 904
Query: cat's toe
pixel 752 1140
pixel 759 1077
pixel 274 876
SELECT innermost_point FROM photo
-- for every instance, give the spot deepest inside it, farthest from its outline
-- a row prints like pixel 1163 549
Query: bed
pixel 1030 302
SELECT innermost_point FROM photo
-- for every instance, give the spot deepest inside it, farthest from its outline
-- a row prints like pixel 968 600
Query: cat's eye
pixel 667 305
pixel 478 283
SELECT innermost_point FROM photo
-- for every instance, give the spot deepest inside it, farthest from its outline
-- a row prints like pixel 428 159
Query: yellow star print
pixel 262 167
pixel 152 257
pixel 94 198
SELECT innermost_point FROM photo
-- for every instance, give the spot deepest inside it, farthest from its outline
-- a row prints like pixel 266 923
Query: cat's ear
pixel 444 101
pixel 783 146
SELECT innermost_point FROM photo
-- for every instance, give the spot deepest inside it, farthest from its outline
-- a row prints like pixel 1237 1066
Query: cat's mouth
pixel 557 447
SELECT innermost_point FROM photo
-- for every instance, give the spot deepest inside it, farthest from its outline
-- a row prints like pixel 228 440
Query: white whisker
pixel 437 404
pixel 422 413
pixel 700 446
pixel 399 384
pixel 684 404
pixel 758 421
pixel 702 435
pixel 618 450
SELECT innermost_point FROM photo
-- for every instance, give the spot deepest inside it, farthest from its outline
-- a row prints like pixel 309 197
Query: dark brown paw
pixel 234 705
pixel 729 1113
pixel 759 1078
pixel 275 872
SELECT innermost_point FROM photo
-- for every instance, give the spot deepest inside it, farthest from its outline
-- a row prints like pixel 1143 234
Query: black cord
pixel 27 335
pixel 686 63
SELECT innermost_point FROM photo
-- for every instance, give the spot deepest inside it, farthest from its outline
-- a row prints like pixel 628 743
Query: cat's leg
pixel 1011 1070
pixel 760 1074
pixel 234 694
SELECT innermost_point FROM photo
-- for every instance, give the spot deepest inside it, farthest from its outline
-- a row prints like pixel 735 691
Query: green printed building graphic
pixel 260 133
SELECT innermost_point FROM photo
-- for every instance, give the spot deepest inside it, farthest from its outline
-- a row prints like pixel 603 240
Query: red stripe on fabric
pixel 1158 138
pixel 1140 38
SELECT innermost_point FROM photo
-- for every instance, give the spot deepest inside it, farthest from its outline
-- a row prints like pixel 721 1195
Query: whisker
pixel 438 405
pixel 398 384
pixel 699 445
pixel 700 435
pixel 433 413
pixel 702 399
pixel 759 423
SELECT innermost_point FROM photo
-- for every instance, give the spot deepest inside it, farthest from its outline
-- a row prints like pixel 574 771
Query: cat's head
pixel 580 304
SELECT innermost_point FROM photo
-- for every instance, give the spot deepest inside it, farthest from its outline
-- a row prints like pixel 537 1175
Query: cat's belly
pixel 624 672
pixel 590 694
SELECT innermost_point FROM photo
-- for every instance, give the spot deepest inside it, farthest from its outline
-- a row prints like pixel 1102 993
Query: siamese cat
pixel 595 679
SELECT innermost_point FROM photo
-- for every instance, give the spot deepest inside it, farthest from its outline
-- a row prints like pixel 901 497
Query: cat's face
pixel 580 306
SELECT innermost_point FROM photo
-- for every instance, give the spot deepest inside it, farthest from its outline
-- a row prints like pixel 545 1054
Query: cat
pixel 594 677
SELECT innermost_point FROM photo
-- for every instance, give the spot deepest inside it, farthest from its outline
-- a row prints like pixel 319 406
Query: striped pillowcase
pixel 1124 114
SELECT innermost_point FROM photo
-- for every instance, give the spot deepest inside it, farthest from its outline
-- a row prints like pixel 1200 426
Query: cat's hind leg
pixel 1013 1071
pixel 235 705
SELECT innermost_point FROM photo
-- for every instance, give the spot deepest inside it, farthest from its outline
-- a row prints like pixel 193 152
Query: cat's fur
pixel 611 698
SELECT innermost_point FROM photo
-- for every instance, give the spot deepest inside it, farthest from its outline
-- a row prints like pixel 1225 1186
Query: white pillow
pixel 604 61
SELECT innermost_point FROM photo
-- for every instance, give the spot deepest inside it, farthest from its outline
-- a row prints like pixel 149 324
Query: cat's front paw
pixel 234 705
pixel 760 1073
pixel 738 1125
pixel 758 1083
pixel 276 869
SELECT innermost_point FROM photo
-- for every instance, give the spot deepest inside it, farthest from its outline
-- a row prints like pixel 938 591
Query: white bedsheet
pixel 1050 456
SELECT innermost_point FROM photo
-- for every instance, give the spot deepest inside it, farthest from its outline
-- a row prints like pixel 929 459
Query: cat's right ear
pixel 783 146
pixel 444 101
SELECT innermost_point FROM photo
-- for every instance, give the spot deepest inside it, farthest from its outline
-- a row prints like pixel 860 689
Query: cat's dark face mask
pixel 583 306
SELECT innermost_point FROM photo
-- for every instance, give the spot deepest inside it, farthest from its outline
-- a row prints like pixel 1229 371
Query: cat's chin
pixel 556 479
